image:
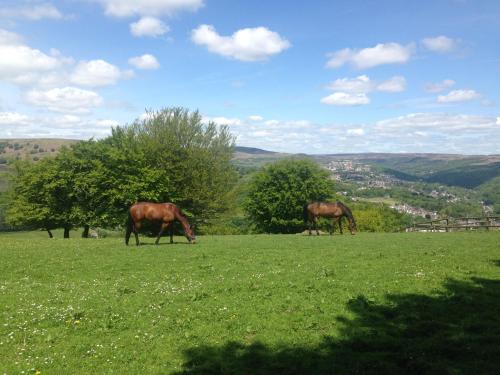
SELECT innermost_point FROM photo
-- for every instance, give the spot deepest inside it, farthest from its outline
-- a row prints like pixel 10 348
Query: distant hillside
pixel 252 150
pixel 467 171
pixel 32 149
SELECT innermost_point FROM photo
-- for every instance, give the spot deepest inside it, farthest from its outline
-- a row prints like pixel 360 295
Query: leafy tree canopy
pixel 279 191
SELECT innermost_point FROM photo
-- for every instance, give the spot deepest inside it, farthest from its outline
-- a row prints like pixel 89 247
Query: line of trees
pixel 170 155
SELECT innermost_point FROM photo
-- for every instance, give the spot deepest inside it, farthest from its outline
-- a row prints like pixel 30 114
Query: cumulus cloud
pixel 32 12
pixel 363 84
pixel 353 91
pixel 345 99
pixel 8 37
pixel 148 26
pixel 145 61
pixel 441 44
pixel 19 60
pixel 439 86
pixel 96 73
pixel 436 122
pixel 383 53
pixel 223 120
pixel 255 118
pixel 14 124
pixel 250 44
pixel 65 100
pixel 356 131
pixel 457 96
pixel 418 132
pixel 127 8
pixel 360 84
pixel 395 84
pixel 13 118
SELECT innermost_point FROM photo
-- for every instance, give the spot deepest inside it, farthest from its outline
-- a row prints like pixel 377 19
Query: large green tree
pixel 42 196
pixel 195 156
pixel 279 191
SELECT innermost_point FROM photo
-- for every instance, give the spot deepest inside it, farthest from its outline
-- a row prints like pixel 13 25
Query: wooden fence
pixel 459 223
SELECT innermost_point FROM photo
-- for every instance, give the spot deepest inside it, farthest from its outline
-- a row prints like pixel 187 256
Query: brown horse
pixel 336 211
pixel 164 213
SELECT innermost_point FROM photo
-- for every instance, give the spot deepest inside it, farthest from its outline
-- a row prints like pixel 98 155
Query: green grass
pixel 370 303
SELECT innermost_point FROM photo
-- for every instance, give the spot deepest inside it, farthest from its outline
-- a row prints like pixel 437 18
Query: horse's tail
pixel 130 221
pixel 129 226
pixel 306 213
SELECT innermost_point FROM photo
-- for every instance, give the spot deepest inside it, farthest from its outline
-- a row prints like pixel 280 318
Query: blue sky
pixel 313 77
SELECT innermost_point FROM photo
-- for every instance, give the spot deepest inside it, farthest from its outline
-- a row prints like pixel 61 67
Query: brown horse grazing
pixel 164 213
pixel 336 211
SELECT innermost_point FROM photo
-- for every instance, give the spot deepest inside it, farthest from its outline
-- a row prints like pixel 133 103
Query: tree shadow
pixel 454 332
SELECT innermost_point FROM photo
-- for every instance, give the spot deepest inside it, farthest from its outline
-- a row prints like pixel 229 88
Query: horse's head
pixel 352 227
pixel 191 237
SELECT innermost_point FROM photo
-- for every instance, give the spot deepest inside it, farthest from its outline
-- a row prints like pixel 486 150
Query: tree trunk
pixel 85 233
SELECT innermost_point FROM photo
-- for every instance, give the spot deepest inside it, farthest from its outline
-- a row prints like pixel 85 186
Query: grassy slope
pixel 382 303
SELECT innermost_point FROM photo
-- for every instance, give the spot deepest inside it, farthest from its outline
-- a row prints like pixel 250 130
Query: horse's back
pixel 326 209
pixel 152 211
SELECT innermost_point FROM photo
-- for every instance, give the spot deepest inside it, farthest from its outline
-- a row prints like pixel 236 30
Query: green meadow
pixel 407 303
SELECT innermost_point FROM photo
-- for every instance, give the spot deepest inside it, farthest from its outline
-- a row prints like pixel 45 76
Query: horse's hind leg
pixel 340 225
pixel 127 234
pixel 172 233
pixel 316 225
pixel 136 227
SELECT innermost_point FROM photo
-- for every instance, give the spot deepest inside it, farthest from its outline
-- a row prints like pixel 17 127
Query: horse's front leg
pixel 162 229
pixel 172 233
pixel 316 226
pixel 340 225
pixel 334 222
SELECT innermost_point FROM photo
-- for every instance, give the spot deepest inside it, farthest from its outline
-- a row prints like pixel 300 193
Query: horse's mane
pixel 347 211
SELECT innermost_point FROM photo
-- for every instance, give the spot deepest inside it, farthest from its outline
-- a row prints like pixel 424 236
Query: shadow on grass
pixel 454 332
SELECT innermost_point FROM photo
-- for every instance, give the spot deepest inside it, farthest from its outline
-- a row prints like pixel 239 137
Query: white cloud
pixel 8 37
pixel 18 125
pixel 363 85
pixel 353 91
pixel 13 118
pixel 148 26
pixel 360 84
pixel 18 60
pixel 418 132
pixel 251 44
pixel 65 100
pixel 95 73
pixel 388 53
pixel 440 44
pixel 146 61
pixel 345 99
pixel 31 12
pixel 127 8
pixel 395 84
pixel 255 118
pixel 457 96
pixel 356 131
pixel 223 120
pixel 439 86
pixel 436 122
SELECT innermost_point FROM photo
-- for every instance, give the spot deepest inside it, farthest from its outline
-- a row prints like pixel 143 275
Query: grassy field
pixel 407 303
